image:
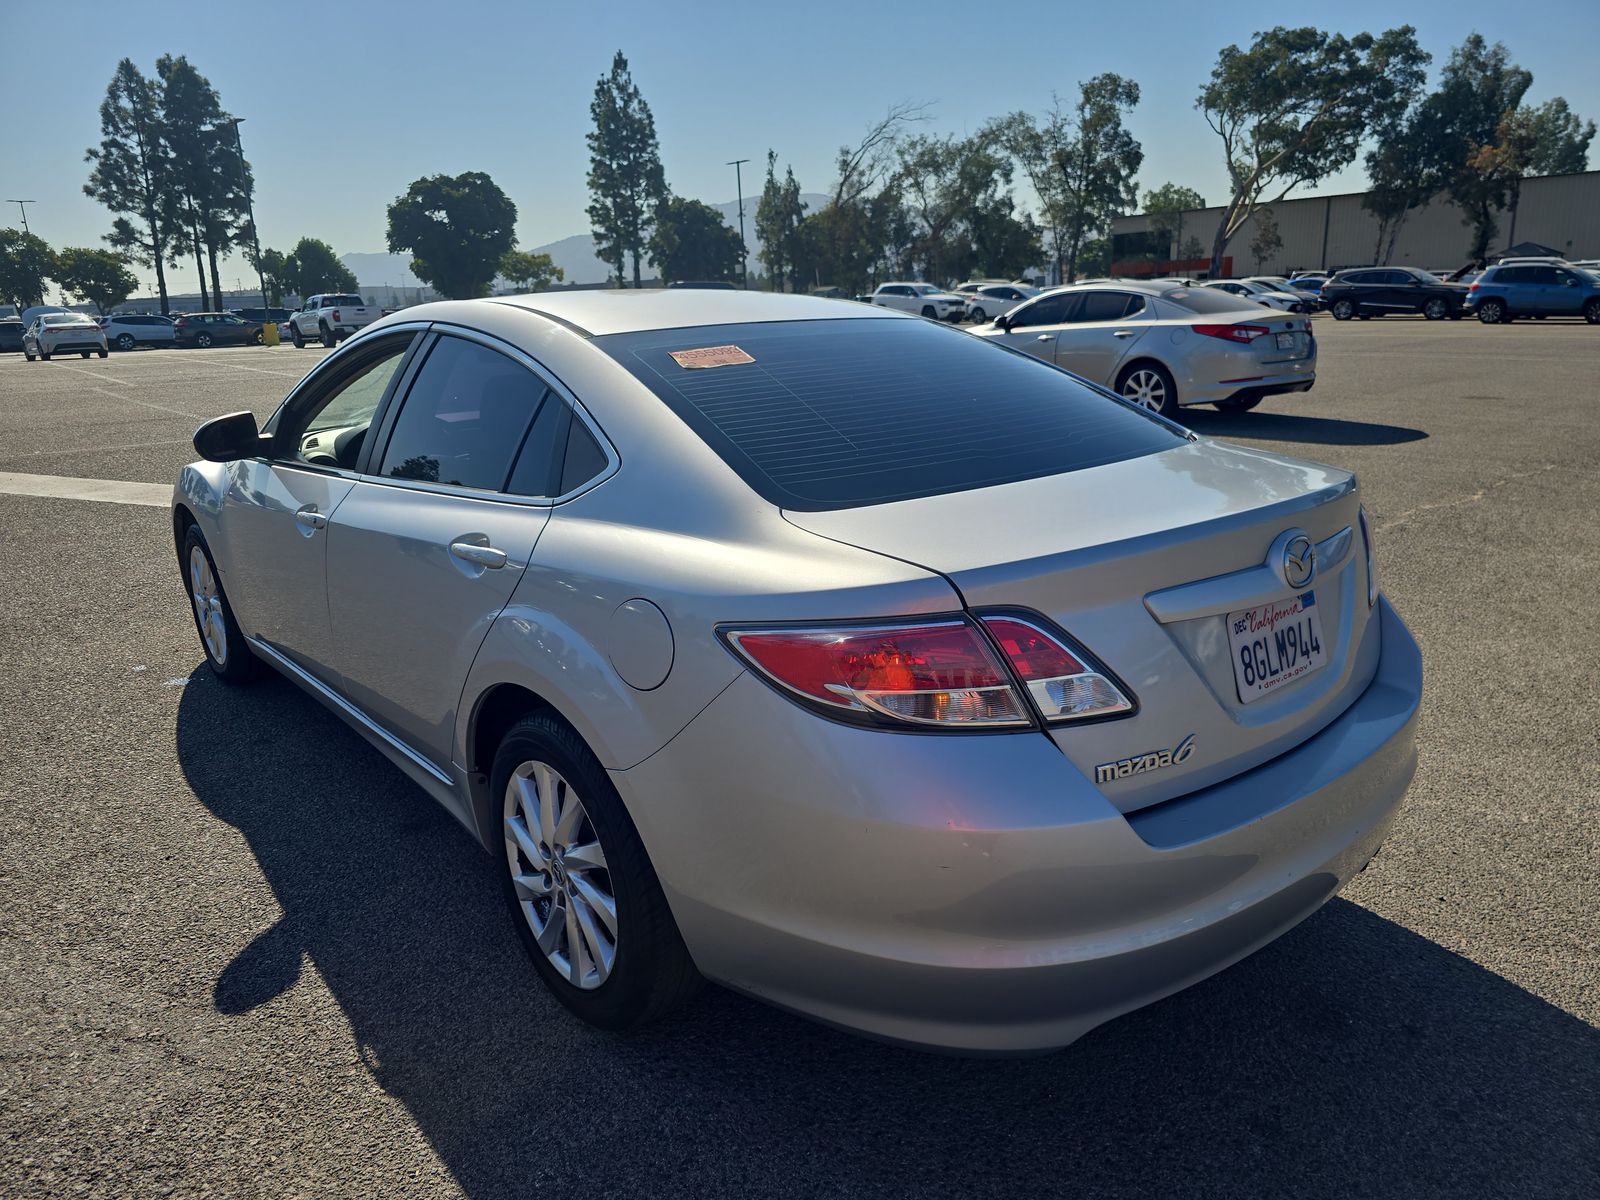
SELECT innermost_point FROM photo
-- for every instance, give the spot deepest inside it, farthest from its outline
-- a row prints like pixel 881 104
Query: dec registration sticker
pixel 1275 644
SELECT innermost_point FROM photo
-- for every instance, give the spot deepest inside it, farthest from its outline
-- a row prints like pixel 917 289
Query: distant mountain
pixel 575 255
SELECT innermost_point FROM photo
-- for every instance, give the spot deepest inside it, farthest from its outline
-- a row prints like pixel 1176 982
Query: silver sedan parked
pixel 832 654
pixel 1165 345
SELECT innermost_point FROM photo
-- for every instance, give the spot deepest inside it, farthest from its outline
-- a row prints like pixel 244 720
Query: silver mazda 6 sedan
pixel 851 661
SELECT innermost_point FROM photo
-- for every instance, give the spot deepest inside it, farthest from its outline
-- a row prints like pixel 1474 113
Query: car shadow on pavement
pixel 1290 427
pixel 1350 1057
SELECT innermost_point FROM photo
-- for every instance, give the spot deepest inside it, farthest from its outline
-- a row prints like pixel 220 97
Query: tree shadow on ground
pixel 1351 1057
pixel 1290 427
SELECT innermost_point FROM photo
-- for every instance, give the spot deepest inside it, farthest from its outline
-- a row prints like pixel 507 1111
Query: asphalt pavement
pixel 240 955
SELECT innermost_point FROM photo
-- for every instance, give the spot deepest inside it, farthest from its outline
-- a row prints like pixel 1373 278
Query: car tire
pixel 616 907
pixel 1436 309
pixel 1492 312
pixel 1591 312
pixel 203 340
pixel 126 341
pixel 44 356
pixel 294 336
pixel 258 338
pixel 105 353
pixel 1237 404
pixel 1343 310
pixel 979 316
pixel 83 354
pixel 227 654
pixel 27 356
pixel 927 311
pixel 328 339
pixel 1150 386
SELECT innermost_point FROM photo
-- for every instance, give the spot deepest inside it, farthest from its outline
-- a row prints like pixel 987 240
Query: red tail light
pixel 336 314
pixel 1061 683
pixel 180 322
pixel 934 673
pixel 1243 334
pixel 1472 287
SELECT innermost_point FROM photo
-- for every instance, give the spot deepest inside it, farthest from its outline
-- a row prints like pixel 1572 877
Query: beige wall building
pixel 1559 211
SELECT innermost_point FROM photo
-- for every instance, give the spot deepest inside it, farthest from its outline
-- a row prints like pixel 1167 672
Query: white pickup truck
pixel 330 318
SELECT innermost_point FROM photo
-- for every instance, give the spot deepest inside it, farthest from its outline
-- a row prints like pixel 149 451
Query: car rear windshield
pixel 335 301
pixel 838 414
pixel 1210 300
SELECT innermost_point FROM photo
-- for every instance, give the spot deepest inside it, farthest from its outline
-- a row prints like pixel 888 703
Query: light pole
pixel 23 205
pixel 250 206
pixel 738 183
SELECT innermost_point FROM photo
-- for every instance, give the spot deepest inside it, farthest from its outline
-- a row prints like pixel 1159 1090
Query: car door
pixel 1560 292
pixel 1100 332
pixel 273 522
pixel 432 540
pixel 1032 328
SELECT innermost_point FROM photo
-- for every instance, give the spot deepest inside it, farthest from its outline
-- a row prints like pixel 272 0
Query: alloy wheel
pixel 1343 310
pixel 1146 389
pixel 559 870
pixel 207 597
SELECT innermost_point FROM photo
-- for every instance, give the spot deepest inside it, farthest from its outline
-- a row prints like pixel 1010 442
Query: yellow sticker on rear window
pixel 710 356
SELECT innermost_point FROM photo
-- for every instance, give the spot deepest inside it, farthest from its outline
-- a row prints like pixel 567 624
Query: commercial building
pixel 1558 211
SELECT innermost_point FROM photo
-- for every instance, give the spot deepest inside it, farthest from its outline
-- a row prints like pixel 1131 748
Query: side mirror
pixel 230 438
pixel 1002 322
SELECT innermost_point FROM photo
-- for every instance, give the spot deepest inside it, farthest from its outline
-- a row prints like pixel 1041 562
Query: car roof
pixel 630 310
pixel 1122 285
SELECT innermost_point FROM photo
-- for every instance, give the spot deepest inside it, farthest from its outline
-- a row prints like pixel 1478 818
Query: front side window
pixel 839 414
pixel 464 418
pixel 330 427
pixel 1048 310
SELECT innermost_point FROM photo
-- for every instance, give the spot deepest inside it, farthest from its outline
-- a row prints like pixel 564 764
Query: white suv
pixel 126 331
pixel 921 298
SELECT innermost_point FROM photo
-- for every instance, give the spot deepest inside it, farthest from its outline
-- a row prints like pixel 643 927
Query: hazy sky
pixel 344 111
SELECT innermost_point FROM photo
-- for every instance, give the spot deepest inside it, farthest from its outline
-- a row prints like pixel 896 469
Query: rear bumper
pixel 978 893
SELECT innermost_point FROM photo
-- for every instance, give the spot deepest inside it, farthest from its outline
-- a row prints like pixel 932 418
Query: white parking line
pixel 61 487
pixel 97 375
pixel 146 404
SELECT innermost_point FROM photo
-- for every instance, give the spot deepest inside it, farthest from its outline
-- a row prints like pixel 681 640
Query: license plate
pixel 1286 341
pixel 1275 644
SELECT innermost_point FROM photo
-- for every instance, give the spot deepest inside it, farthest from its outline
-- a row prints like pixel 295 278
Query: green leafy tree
pixel 1099 161
pixel 778 217
pixel 208 193
pixel 131 171
pixel 1296 106
pixel 1004 244
pixel 312 267
pixel 1167 207
pixel 99 276
pixel 1547 139
pixel 944 182
pixel 1478 88
pixel 25 263
pixel 1036 146
pixel 530 272
pixel 457 229
pixel 626 181
pixel 275 269
pixel 1405 169
pixel 691 241
pixel 1266 241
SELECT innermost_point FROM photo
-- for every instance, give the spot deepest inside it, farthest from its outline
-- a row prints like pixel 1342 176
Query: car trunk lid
pixel 1143 562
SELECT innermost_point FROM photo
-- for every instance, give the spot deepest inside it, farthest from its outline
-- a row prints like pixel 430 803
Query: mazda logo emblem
pixel 1299 561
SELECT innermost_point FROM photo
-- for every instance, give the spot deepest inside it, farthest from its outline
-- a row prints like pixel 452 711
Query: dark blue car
pixel 1503 293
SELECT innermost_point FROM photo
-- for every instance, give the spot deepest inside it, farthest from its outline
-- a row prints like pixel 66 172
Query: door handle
pixel 1045 337
pixel 1123 333
pixel 479 556
pixel 310 520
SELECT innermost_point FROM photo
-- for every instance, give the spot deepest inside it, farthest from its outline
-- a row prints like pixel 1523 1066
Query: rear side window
pixel 464 418
pixel 838 414
pixel 1108 306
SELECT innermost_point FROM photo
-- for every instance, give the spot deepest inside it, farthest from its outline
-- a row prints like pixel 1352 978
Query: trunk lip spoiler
pixel 1248 588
